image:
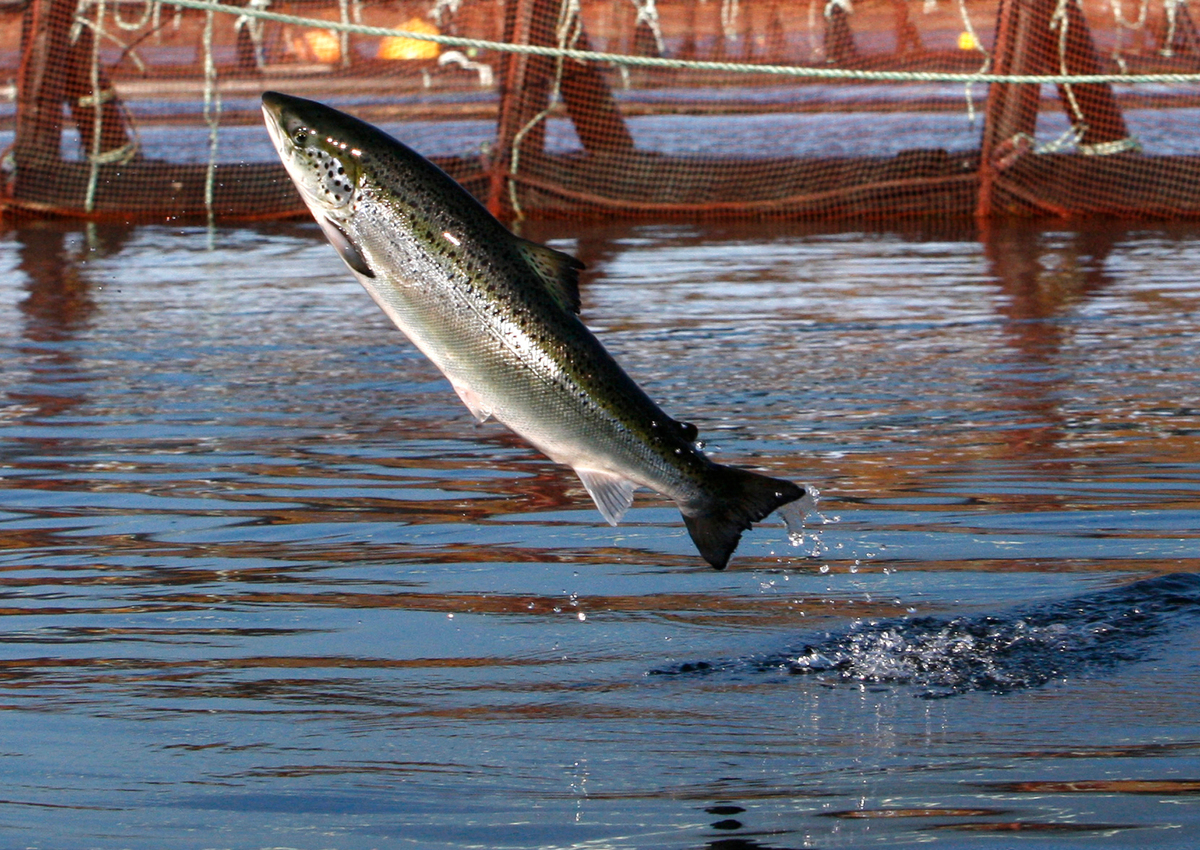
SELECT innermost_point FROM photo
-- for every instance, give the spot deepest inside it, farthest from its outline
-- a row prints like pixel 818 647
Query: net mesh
pixel 140 110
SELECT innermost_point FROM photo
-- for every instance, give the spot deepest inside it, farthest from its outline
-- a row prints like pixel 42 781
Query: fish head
pixel 323 151
pixel 318 147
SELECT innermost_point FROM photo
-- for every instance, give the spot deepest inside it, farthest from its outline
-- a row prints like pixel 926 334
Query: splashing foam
pixel 1032 646
pixel 1042 643
pixel 804 510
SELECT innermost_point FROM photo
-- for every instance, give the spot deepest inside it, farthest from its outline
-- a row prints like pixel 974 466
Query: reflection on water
pixel 265 583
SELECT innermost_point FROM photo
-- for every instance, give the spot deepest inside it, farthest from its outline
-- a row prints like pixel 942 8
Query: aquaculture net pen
pixel 846 109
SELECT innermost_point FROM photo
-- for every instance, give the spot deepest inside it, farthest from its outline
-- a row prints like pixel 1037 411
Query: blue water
pixel 806 135
pixel 266 584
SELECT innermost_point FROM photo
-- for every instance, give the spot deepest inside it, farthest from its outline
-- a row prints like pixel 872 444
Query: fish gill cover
pixel 1026 647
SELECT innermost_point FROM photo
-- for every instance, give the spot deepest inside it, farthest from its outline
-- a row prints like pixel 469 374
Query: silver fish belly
pixel 498 316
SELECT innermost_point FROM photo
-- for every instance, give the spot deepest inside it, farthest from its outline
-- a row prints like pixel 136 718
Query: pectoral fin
pixel 340 241
pixel 612 493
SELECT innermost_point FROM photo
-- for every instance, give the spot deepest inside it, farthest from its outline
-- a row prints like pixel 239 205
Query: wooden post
pixel 54 69
pixel 1177 33
pixel 1026 44
pixel 1101 115
pixel 590 103
pixel 1023 41
pixel 840 49
pixel 687 50
pixel 908 38
pixel 41 81
pixel 520 99
pixel 777 49
pixel 525 86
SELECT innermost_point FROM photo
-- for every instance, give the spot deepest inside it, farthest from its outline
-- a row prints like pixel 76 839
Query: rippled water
pixel 265 584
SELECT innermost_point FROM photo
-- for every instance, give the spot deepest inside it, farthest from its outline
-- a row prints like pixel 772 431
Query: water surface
pixel 266 584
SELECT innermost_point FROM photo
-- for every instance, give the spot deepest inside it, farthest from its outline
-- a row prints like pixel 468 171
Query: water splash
pixel 804 510
pixel 1029 647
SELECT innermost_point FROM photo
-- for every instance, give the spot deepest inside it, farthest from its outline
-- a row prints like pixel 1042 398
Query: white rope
pixel 1171 8
pixel 1119 15
pixel 254 28
pixel 1059 20
pixel 1126 145
pixel 845 5
pixel 99 32
pixel 647 12
pixel 120 155
pixel 729 13
pixel 133 26
pixel 800 71
pixel 342 34
pixel 969 27
pixel 444 9
pixel 95 156
pixel 1079 126
pixel 976 43
pixel 89 201
pixel 212 115
pixel 816 46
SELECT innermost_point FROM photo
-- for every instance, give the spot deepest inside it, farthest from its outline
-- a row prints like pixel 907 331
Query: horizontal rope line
pixel 802 71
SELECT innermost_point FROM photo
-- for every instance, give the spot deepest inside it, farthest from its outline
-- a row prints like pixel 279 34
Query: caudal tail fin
pixel 737 500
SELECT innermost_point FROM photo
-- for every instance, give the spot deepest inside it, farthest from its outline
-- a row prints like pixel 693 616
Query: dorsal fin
pixel 558 271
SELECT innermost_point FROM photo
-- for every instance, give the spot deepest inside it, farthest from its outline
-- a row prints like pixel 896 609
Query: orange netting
pixel 134 109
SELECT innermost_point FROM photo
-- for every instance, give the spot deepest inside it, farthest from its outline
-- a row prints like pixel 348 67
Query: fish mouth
pixel 273 106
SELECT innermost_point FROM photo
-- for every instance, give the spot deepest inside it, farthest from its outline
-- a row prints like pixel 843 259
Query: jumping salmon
pixel 497 314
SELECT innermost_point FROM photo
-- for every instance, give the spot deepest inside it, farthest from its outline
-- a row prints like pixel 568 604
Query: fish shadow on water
pixel 1025 648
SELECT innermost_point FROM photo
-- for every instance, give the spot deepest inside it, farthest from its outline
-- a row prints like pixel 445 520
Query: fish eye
pixel 300 136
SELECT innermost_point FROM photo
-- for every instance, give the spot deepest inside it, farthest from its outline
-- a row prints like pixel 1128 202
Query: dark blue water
pixel 266 584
